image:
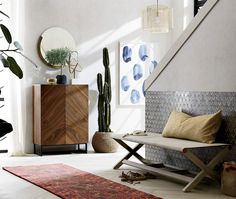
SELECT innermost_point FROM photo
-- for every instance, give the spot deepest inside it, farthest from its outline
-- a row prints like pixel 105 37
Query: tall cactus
pixel 104 98
pixel 100 103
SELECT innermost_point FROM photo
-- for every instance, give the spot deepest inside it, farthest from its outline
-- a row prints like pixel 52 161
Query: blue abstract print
pixel 127 53
pixel 135 96
pixel 125 83
pixel 143 52
pixel 137 72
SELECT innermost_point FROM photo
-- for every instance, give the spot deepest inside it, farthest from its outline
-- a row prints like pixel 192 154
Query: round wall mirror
pixel 55 39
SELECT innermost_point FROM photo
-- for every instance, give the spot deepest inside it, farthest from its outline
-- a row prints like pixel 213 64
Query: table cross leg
pixel 132 152
pixel 205 169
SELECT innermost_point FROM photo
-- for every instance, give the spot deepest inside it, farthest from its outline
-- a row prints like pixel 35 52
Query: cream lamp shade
pixel 157 18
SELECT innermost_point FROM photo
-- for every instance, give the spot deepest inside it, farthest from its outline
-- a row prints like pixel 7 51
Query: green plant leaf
pixel 1 12
pixel 4 61
pixel 6 33
pixel 57 56
pixel 14 67
pixel 17 45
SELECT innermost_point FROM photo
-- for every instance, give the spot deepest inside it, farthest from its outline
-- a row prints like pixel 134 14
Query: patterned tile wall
pixel 159 105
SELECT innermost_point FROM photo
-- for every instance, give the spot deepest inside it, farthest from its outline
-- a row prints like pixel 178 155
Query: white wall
pixel 95 24
pixel 207 60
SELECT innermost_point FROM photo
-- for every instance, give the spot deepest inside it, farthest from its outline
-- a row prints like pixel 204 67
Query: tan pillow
pixel 201 128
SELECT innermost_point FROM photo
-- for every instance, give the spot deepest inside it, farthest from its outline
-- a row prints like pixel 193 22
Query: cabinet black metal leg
pixel 84 150
pixel 38 149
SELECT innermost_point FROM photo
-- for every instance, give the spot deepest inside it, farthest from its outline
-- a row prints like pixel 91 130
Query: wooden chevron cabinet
pixel 60 116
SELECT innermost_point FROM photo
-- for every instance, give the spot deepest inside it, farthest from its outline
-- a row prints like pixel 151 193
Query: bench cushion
pixel 201 128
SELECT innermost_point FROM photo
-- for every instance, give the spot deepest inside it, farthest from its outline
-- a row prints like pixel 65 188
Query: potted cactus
pixel 102 141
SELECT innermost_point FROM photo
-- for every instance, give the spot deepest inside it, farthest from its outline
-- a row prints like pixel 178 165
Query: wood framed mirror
pixel 54 38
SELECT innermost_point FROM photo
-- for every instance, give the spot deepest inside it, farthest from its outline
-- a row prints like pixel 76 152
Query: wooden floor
pixel 12 187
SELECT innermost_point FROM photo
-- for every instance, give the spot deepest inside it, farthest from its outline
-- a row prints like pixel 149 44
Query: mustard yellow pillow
pixel 201 128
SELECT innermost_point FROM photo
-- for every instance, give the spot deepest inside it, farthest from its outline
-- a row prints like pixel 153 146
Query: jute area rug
pixel 71 183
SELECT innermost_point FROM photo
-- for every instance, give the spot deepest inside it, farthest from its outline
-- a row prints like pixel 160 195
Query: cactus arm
pixel 100 113
pixel 99 83
pixel 107 117
pixel 100 103
pixel 108 76
pixel 106 93
pixel 107 107
pixel 109 93
pixel 105 57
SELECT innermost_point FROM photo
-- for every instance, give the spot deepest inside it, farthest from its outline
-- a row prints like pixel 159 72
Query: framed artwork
pixel 137 61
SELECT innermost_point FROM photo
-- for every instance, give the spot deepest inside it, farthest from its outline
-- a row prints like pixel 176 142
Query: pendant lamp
pixel 157 18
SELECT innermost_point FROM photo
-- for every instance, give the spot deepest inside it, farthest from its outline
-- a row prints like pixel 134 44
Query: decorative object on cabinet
pixel 60 116
pixel 52 81
pixel 102 141
pixel 58 57
pixel 74 65
pixel 157 18
pixel 61 79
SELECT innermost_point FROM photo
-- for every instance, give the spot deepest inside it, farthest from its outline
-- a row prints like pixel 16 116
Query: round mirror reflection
pixel 55 41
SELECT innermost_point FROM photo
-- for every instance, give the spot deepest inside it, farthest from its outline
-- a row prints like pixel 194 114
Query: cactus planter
pixel 101 140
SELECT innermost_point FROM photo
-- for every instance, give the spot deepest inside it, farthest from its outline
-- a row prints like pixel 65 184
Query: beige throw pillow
pixel 201 128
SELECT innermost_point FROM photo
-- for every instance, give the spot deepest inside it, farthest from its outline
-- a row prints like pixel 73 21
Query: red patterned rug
pixel 71 183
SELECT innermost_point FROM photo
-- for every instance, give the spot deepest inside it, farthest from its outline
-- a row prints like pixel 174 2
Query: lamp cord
pixel 157 8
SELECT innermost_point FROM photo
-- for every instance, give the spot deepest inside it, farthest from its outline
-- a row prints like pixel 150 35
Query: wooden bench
pixel 183 146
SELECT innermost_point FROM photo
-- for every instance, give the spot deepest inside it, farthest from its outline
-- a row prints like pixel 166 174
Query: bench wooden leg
pixel 205 169
pixel 132 152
